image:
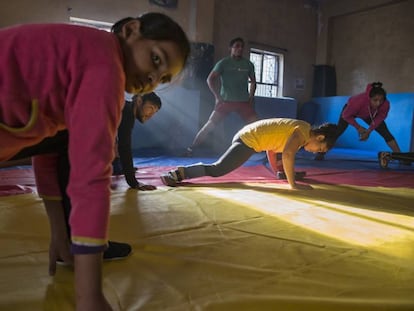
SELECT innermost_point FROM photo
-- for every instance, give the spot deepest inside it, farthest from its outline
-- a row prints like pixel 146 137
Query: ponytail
pixel 377 89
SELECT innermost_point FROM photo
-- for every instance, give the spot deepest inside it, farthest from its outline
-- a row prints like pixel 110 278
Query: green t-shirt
pixel 234 75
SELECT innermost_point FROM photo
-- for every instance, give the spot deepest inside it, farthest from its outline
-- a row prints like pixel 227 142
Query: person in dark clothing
pixel 141 108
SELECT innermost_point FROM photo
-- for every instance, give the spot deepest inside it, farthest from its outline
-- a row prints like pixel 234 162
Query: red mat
pixel 16 181
pixel 19 181
pixel 261 174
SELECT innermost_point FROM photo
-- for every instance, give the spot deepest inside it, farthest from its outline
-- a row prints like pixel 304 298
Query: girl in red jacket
pixel 57 77
pixel 372 107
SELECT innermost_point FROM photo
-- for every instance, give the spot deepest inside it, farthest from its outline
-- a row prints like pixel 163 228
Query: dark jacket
pixel 124 143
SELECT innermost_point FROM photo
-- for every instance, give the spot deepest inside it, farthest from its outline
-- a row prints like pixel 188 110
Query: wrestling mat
pixel 238 242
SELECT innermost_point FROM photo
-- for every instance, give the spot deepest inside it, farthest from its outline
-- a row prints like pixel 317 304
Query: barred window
pixel 269 72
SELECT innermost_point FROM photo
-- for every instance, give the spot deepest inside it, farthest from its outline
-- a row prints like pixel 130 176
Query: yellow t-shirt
pixel 272 134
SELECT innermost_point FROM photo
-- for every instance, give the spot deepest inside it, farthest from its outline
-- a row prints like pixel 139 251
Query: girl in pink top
pixel 372 107
pixel 57 76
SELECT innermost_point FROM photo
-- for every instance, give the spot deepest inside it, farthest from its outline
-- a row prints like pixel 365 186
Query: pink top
pixel 57 76
pixel 358 106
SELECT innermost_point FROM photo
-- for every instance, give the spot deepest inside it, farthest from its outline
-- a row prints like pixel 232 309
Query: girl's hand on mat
pixel 301 187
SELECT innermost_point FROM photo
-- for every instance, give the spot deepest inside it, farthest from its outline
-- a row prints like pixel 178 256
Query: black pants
pixel 234 157
pixel 405 156
pixel 57 144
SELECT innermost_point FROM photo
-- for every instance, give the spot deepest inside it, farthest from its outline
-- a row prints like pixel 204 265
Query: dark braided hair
pixel 234 40
pixel 377 89
pixel 329 130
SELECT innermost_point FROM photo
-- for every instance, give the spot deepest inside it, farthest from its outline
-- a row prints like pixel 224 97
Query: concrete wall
pixel 289 25
pixel 193 15
pixel 366 41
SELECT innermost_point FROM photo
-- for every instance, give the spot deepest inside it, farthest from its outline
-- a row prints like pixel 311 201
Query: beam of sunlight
pixel 385 232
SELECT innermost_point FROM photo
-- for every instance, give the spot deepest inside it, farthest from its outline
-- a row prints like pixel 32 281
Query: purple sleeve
pixel 92 122
pixel 351 110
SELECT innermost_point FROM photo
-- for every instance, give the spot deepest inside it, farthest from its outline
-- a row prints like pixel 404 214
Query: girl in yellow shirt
pixel 278 135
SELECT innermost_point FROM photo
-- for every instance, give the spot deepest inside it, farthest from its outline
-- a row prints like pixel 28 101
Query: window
pixel 269 72
pixel 91 23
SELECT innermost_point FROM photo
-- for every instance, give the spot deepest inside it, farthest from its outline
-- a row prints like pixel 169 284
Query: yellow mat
pixel 228 247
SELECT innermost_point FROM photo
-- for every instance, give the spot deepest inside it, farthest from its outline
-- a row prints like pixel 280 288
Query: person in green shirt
pixel 229 83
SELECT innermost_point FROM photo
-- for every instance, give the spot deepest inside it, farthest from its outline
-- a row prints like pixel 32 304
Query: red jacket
pixel 57 76
pixel 358 106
